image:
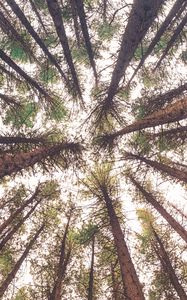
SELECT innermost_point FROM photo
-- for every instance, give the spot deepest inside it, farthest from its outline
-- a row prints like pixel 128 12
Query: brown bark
pixel 54 10
pixel 171 171
pixel 75 22
pixel 167 266
pixel 141 17
pixel 174 10
pixel 61 269
pixel 22 73
pixel 151 200
pixel 12 217
pixel 131 284
pixel 174 112
pixel 171 42
pixel 16 267
pixel 84 27
pixel 10 164
pixel 11 232
pixel 91 275
pixel 114 284
pixel 8 140
pixel 18 12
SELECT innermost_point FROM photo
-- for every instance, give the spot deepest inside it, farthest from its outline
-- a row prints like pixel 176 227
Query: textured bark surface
pixel 91 275
pixel 171 171
pixel 132 286
pixel 15 269
pixel 18 12
pixel 150 199
pixel 167 266
pixel 141 17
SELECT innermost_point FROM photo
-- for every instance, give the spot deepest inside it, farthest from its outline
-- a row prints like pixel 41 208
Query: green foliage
pixel 139 52
pixel 86 234
pixel 139 110
pixel 22 294
pixel 165 144
pixel 50 40
pixel 6 262
pixel 40 4
pixel 56 111
pixel 66 13
pixel 141 143
pixel 106 31
pixel 79 54
pixel 48 74
pixel 24 115
pixel 161 45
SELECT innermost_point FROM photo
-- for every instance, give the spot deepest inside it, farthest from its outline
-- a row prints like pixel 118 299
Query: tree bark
pixel 10 164
pixel 84 27
pixel 131 284
pixel 75 22
pixel 174 112
pixel 18 12
pixel 174 10
pixel 54 10
pixel 12 217
pixel 61 269
pixel 167 266
pixel 18 225
pixel 22 73
pixel 151 200
pixel 141 18
pixel 91 275
pixel 15 269
pixel 9 140
pixel 171 171
pixel 10 101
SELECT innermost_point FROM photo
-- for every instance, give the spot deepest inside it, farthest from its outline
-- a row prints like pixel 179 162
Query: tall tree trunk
pixel 10 164
pixel 174 10
pixel 75 22
pixel 38 15
pixel 167 266
pixel 174 112
pixel 18 225
pixel 16 267
pixel 12 32
pixel 114 284
pixel 10 74
pixel 171 171
pixel 18 12
pixel 84 27
pixel 22 73
pixel 61 268
pixel 12 217
pixel 141 18
pixel 131 284
pixel 9 140
pixel 54 10
pixel 171 42
pixel 150 199
pixel 91 275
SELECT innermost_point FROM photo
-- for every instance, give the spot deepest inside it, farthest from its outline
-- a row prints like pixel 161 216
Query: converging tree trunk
pixel 167 266
pixel 131 284
pixel 150 199
pixel 55 13
pixel 15 269
pixel 141 18
pixel 171 171
pixel 91 275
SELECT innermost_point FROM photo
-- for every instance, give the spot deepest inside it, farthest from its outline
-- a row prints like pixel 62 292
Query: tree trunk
pixel 75 22
pixel 171 171
pixel 54 10
pixel 167 266
pixel 18 225
pixel 175 35
pixel 61 269
pixel 12 217
pixel 151 200
pixel 91 275
pixel 22 73
pixel 141 18
pixel 18 12
pixel 10 74
pixel 10 164
pixel 174 112
pixel 9 140
pixel 131 284
pixel 114 284
pixel 15 269
pixel 84 27
pixel 174 10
